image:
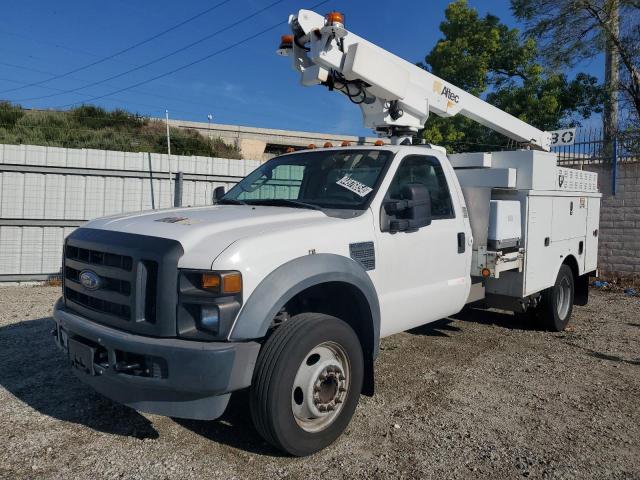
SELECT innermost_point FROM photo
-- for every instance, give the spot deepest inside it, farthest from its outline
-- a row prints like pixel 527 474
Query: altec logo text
pixel 447 92
pixel 451 97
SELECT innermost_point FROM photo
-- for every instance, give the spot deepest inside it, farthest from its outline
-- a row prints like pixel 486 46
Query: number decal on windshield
pixel 354 185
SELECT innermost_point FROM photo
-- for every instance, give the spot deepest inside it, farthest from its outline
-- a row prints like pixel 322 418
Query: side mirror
pixel 218 193
pixel 412 211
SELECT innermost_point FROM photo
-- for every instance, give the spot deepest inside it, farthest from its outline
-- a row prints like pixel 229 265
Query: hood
pixel 214 226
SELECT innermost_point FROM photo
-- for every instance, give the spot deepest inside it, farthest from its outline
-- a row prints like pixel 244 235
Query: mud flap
pixel 581 293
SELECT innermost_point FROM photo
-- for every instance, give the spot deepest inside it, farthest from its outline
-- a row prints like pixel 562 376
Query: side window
pixel 428 171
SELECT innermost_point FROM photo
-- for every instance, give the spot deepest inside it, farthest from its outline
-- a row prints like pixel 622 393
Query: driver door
pixel 426 274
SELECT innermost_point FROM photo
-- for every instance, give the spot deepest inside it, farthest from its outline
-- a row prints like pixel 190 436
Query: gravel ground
pixel 480 396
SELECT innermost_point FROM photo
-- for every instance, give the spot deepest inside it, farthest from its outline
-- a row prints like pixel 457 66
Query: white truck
pixel 286 285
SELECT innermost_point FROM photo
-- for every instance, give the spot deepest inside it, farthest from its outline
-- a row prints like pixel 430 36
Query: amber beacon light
pixel 286 41
pixel 286 45
pixel 335 18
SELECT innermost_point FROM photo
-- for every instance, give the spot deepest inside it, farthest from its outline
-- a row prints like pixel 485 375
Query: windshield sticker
pixel 354 185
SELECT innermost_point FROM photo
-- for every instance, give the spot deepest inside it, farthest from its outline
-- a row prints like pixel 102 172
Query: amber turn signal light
pixel 379 143
pixel 232 283
pixel 346 143
pixel 227 282
pixel 486 272
pixel 328 144
pixel 210 281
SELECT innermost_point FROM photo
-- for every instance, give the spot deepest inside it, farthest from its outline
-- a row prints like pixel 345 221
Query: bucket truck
pixel 287 284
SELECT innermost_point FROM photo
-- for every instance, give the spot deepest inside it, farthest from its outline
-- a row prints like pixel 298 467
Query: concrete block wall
pixel 619 243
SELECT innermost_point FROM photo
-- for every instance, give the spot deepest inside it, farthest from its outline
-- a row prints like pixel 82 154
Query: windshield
pixel 322 179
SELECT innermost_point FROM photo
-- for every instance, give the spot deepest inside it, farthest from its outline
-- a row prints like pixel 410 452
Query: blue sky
pixel 246 85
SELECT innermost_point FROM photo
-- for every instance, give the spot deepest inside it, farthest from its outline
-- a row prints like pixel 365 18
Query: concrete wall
pixel 262 143
pixel 46 192
pixel 619 245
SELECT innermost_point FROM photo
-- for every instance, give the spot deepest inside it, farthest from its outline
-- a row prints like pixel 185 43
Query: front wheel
pixel 557 301
pixel 306 383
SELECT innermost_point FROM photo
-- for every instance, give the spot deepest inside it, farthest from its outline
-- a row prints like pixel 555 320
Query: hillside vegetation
pixel 94 127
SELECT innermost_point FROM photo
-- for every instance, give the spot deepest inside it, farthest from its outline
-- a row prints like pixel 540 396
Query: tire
pixel 556 304
pixel 288 390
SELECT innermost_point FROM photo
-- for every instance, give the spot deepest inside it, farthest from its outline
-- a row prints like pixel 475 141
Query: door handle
pixel 461 242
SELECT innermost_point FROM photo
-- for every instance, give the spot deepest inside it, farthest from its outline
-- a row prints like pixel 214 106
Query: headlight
pixel 208 303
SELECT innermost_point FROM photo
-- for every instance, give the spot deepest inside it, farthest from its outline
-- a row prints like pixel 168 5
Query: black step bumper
pixel 165 376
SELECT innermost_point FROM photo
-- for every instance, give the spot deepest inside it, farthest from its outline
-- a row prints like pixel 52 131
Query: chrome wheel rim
pixel 320 387
pixel 563 298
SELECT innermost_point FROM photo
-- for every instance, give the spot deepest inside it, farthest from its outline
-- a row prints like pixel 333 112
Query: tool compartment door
pixel 593 233
pixel 539 251
pixel 569 218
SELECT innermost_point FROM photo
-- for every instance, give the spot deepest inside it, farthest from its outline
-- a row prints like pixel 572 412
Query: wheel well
pixel 346 302
pixel 580 282
pixel 573 264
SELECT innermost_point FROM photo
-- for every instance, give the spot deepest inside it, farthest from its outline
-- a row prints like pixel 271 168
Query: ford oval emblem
pixel 89 280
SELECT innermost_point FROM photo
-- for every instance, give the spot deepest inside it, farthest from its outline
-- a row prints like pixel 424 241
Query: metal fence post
pixel 153 200
pixel 177 197
pixel 614 166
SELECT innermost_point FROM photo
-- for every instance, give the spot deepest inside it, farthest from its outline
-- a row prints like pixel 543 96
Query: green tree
pixel 574 30
pixel 487 58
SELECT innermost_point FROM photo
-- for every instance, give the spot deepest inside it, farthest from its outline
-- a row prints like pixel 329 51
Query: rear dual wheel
pixel 307 383
pixel 556 304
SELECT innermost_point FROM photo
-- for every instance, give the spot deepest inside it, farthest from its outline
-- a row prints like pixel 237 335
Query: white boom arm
pixel 394 95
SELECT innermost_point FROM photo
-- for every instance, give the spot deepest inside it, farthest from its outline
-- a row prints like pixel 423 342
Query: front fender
pixel 291 278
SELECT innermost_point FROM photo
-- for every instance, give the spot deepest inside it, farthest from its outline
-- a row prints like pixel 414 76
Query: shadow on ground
pixel 507 320
pixel 440 328
pixel 37 373
pixel 234 428
pixel 445 327
pixel 604 356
